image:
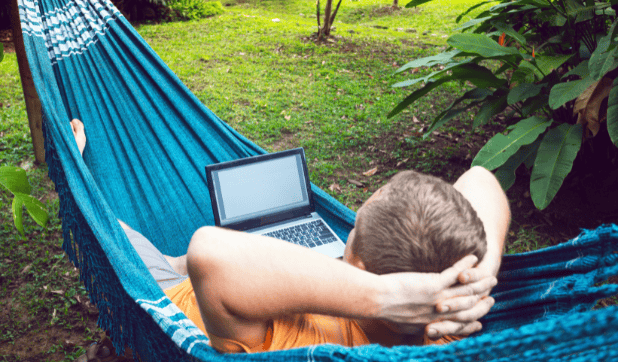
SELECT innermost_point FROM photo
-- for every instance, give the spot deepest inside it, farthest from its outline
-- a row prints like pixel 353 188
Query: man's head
pixel 415 223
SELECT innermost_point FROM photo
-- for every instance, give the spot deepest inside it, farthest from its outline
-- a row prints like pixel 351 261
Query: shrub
pixel 14 180
pixel 195 9
pixel 550 66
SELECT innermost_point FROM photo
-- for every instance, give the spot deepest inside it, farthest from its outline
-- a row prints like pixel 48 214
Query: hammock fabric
pixel 149 139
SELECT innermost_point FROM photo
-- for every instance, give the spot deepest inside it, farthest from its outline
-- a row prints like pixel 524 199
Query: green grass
pixel 279 88
pixel 526 239
pixel 39 287
pixel 270 81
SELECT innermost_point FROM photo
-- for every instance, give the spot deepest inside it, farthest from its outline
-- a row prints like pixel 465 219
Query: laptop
pixel 270 195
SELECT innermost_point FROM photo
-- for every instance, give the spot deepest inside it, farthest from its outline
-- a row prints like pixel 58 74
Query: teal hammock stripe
pixel 149 139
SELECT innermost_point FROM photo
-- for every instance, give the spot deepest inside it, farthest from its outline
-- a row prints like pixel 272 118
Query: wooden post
pixel 33 104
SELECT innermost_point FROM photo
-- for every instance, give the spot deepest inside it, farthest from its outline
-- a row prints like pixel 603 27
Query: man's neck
pixel 378 332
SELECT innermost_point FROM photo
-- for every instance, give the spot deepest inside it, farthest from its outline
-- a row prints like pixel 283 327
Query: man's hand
pixel 486 196
pixel 419 299
pixel 488 267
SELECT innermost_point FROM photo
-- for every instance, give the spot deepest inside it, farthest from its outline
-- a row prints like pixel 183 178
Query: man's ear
pixel 357 262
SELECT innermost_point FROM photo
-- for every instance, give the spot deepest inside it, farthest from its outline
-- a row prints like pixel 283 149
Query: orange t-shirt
pixel 287 332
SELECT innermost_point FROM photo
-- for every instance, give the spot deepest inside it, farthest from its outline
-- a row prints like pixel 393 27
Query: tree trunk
pixel 325 31
pixel 395 3
pixel 33 105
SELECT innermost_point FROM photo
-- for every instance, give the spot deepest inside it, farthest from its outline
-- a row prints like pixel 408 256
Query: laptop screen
pixel 259 189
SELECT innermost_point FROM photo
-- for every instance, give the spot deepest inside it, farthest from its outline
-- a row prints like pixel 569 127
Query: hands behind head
pixel 434 300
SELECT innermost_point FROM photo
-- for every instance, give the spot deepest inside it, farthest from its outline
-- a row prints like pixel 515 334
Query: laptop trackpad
pixel 334 249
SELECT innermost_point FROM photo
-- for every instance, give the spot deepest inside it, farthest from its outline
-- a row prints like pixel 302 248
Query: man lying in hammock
pixel 251 293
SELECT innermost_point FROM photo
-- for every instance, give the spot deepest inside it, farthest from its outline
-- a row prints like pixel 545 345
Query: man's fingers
pixel 443 328
pixel 457 304
pixel 478 288
pixel 478 311
pixel 450 275
pixel 472 275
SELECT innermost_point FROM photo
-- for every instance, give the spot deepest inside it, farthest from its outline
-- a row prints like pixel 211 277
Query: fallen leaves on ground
pixel 335 188
pixel 356 183
pixel 371 172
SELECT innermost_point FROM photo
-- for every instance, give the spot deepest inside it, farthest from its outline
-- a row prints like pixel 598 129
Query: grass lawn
pixel 257 68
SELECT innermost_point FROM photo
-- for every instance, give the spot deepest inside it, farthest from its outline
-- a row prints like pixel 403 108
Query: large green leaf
pixel 1 51
pixel 601 63
pixel 414 3
pixel 418 94
pixel 532 105
pixel 554 161
pixel 564 92
pixel 18 215
pixel 473 22
pixel 506 173
pixel 491 107
pixel 580 70
pixel 537 3
pixel 443 118
pixel 523 91
pixel 612 113
pixel 442 58
pixel 429 77
pixel 505 4
pixel 523 75
pixel 585 14
pixel 480 44
pixel 470 9
pixel 573 7
pixel 500 147
pixel 476 95
pixel 14 179
pixel 547 64
pixel 604 42
pixel 527 68
pixel 558 20
pixel 35 208
pixel 478 75
pixel 508 30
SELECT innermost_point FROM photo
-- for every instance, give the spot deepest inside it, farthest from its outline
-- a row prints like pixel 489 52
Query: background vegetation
pixel 556 102
pixel 258 68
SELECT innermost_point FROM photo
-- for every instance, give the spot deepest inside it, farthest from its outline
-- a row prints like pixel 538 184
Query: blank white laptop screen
pixel 259 189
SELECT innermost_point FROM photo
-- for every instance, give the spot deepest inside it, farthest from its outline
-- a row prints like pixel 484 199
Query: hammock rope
pixel 149 139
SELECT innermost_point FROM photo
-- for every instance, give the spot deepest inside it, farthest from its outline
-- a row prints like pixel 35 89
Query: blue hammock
pixel 149 139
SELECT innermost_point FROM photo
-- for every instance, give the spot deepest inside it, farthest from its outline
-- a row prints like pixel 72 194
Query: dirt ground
pixel 6 38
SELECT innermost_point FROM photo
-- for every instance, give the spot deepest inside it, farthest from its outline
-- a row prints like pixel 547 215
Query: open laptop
pixel 270 195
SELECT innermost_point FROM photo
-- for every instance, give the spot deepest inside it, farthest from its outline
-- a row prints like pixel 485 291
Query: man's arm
pixel 242 281
pixel 484 192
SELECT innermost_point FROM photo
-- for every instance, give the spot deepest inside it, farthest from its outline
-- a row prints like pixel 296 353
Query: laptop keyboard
pixel 311 234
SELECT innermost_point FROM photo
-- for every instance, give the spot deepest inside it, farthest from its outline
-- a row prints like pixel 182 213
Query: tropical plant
pixel 195 9
pixel 549 66
pixel 14 179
